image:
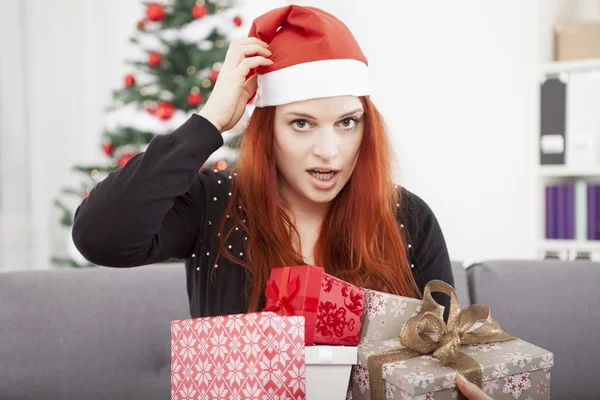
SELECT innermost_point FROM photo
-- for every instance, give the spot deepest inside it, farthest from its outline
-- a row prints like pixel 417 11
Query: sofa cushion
pixel 554 305
pixel 460 283
pixel 97 333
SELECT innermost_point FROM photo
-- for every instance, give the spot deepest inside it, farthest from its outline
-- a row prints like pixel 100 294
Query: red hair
pixel 360 240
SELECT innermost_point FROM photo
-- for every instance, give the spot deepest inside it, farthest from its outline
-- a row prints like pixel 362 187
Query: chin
pixel 321 198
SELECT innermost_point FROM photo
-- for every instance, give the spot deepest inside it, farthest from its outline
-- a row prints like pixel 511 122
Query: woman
pixel 313 183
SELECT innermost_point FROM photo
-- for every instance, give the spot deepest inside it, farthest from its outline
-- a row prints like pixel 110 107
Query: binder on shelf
pixel 569 211
pixel 553 121
pixel 583 119
pixel 581 209
pixel 560 212
pixel 551 212
pixel 561 221
pixel 593 212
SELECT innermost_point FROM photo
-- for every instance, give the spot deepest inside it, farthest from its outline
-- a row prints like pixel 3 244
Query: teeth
pixel 324 176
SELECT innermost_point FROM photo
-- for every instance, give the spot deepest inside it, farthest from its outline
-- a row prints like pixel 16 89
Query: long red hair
pixel 360 240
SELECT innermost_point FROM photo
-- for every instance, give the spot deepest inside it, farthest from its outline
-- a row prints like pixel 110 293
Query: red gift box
pixel 332 308
pixel 242 356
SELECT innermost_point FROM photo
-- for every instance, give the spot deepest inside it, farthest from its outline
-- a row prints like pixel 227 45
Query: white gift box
pixel 328 370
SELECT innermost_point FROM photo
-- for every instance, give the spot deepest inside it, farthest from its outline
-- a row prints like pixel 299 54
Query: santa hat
pixel 315 55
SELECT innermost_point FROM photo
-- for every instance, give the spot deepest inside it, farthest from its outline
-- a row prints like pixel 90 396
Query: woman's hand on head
pixel 470 390
pixel 227 101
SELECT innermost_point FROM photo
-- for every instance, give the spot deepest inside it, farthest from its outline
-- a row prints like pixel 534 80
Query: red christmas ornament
pixel 214 74
pixel 129 80
pixel 164 110
pixel 237 21
pixel 141 24
pixel 108 148
pixel 220 165
pixel 154 59
pixel 199 11
pixel 155 12
pixel 124 159
pixel 194 99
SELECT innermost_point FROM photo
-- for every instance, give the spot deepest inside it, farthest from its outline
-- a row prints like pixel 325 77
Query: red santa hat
pixel 315 55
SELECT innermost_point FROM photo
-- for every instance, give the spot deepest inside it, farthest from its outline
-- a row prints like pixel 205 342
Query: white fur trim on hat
pixel 315 79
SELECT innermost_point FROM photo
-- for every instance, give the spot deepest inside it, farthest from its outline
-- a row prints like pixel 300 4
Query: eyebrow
pixel 308 116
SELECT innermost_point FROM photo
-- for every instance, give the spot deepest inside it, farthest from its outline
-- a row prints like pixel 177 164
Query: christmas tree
pixel 182 44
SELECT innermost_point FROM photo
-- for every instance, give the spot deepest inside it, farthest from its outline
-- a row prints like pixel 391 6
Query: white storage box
pixel 328 370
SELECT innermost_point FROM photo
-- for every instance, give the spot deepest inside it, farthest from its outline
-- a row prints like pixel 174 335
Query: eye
pixel 300 124
pixel 348 123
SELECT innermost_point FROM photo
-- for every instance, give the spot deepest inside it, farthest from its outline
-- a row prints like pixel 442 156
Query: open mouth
pixel 323 175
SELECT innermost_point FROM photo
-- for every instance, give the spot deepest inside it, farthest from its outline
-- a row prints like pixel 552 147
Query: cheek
pixel 353 148
pixel 287 149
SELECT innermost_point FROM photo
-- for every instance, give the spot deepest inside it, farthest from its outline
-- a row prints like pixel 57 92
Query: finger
pixel 252 62
pixel 469 390
pixel 237 55
pixel 252 50
pixel 246 41
pixel 252 40
pixel 250 87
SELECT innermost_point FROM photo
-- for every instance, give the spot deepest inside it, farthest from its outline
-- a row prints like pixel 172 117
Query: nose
pixel 326 144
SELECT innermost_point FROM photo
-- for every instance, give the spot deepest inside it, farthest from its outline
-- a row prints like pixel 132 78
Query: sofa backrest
pixel 98 333
pixel 460 283
pixel 554 305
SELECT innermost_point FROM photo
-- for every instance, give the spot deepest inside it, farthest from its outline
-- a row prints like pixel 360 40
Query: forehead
pixel 324 108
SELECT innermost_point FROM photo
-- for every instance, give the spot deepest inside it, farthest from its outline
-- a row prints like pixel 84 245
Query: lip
pixel 324 185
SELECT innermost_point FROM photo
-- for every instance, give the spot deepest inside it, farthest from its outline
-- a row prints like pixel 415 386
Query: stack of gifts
pixel 302 345
pixel 319 337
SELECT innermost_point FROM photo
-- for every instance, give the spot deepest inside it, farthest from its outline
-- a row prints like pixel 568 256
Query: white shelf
pixel 567 66
pixel 577 245
pixel 561 171
pixel 569 250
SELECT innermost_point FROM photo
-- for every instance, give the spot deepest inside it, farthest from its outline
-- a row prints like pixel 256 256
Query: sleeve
pixel 151 209
pixel 428 250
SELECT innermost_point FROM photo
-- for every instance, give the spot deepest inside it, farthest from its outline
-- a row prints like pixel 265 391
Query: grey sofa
pixel 104 333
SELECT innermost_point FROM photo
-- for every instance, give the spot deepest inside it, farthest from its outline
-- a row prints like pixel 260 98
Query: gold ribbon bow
pixel 426 333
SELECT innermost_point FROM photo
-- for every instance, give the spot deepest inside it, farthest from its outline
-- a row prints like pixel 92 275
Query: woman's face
pixel 316 147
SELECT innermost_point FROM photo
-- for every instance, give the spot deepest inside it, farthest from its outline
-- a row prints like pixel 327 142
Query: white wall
pixel 456 81
pixel 15 206
pixel 75 53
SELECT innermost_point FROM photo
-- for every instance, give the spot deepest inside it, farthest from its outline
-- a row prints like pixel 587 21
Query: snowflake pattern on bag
pixel 250 356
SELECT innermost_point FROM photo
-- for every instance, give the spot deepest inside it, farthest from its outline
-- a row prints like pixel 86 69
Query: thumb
pixel 469 390
pixel 250 87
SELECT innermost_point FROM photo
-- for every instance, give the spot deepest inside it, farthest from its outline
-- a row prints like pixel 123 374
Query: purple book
pixel 592 211
pixel 596 205
pixel 570 211
pixel 561 207
pixel 550 212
